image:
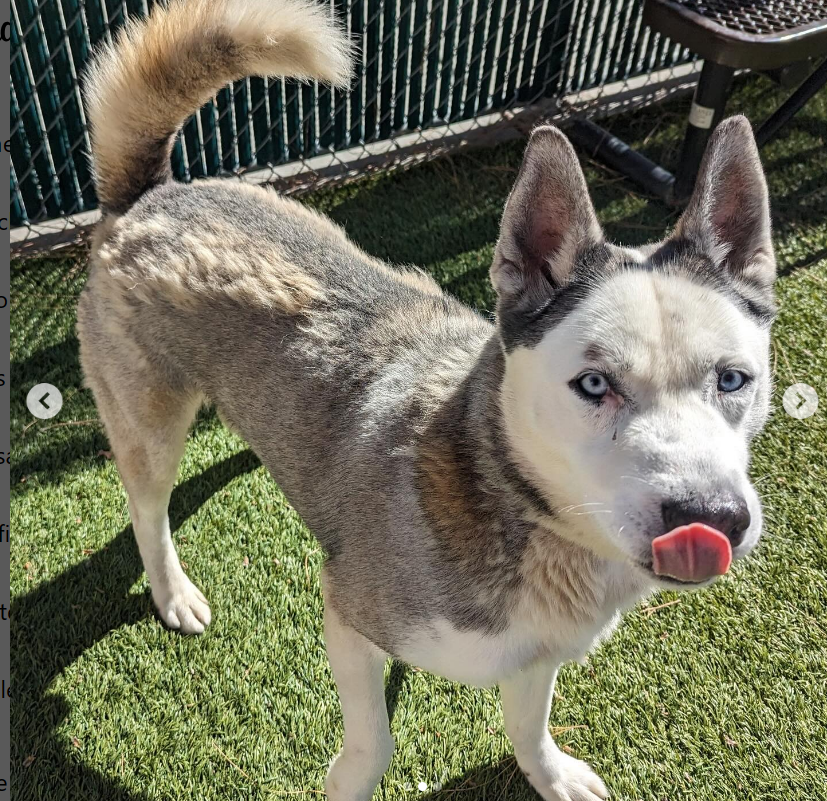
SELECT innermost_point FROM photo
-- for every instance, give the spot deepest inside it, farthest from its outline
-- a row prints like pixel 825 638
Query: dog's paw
pixel 572 780
pixel 354 774
pixel 183 607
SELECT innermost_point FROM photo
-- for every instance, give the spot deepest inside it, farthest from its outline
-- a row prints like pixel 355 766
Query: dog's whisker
pixel 566 509
pixel 642 481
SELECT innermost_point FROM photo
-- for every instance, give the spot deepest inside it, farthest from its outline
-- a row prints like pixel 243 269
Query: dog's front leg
pixel 358 667
pixel 526 699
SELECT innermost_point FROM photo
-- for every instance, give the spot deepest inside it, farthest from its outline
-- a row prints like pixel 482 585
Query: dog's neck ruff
pixel 484 507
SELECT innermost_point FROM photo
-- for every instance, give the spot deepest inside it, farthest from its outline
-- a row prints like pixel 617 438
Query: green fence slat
pixel 226 130
pixel 431 79
pixel 192 167
pixel 402 75
pixel 597 54
pixel 549 76
pixel 634 19
pixel 531 51
pixel 387 71
pixel 94 18
pixel 366 128
pixel 263 150
pixel 275 123
pixel 351 112
pixel 480 36
pixel 243 127
pixel 489 57
pixel 17 212
pixel 293 119
pixel 209 131
pixel 419 33
pixel 310 122
pixel 502 67
pixel 179 161
pixel 135 8
pixel 462 58
pixel 116 13
pixel 36 118
pixel 28 199
pixel 79 51
pixel 325 119
pixel 521 24
pixel 49 64
pixel 641 46
pixel 621 46
pixel 446 78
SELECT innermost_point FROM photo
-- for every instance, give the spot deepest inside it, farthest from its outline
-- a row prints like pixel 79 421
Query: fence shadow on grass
pixel 58 621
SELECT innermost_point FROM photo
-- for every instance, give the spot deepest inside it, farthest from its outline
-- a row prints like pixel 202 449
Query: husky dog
pixel 490 496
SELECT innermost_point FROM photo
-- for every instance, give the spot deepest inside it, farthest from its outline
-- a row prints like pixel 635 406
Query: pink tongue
pixel 691 553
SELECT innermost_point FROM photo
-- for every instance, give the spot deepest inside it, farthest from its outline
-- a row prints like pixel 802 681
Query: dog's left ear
pixel 548 219
pixel 728 216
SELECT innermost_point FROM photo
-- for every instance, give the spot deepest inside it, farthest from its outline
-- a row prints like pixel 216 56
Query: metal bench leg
pixel 793 105
pixel 707 111
pixel 602 145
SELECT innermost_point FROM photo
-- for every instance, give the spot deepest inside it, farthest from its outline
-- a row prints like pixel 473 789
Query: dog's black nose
pixel 724 511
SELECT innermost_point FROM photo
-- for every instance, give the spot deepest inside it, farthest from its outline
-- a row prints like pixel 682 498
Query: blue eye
pixel 731 380
pixel 594 385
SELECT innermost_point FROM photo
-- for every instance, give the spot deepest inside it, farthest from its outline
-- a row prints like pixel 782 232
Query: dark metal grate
pixel 760 17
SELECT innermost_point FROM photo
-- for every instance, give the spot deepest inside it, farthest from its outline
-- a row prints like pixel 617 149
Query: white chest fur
pixel 481 659
pixel 548 622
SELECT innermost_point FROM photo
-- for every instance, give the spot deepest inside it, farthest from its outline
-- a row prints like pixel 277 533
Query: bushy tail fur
pixel 160 70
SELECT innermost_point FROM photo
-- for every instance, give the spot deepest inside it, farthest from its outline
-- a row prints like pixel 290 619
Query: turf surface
pixel 709 697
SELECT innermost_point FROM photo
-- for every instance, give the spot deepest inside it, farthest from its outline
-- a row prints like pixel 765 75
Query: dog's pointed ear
pixel 548 218
pixel 728 215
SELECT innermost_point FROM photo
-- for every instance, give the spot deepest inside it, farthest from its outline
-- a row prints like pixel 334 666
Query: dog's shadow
pixel 54 624
pixel 502 780
pixel 58 621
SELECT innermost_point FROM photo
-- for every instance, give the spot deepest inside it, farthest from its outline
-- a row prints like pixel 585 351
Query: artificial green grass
pixel 712 696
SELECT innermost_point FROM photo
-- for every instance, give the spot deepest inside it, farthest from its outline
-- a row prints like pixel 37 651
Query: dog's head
pixel 636 377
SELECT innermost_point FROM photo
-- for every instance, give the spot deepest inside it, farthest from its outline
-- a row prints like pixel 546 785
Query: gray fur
pixel 281 379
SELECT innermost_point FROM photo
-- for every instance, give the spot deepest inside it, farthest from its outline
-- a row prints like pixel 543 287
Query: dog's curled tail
pixel 160 70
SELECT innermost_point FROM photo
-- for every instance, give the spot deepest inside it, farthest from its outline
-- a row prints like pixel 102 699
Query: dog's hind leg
pixel 147 422
pixel 358 667
pixel 148 443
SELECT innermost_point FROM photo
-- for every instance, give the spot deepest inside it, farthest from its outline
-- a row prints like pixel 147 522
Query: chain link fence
pixel 432 75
